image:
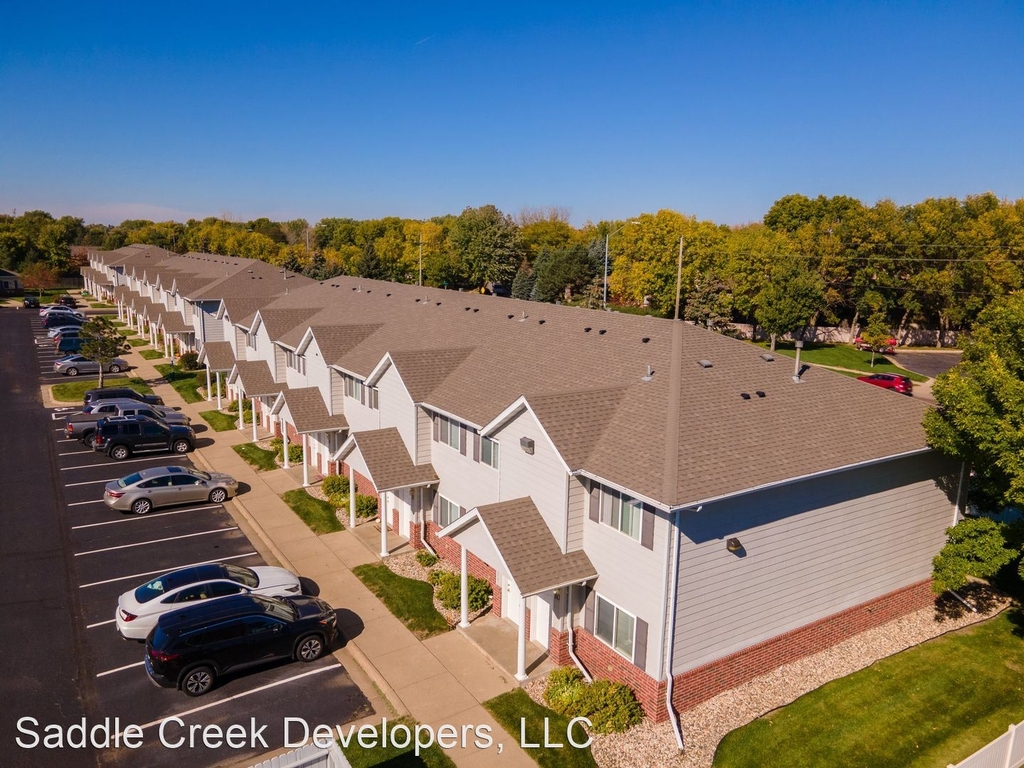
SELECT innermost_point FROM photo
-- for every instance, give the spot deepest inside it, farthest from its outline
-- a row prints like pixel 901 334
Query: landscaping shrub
pixel 610 707
pixel 448 590
pixel 366 506
pixel 424 558
pixel 335 485
pixel 294 450
pixel 189 361
pixel 232 406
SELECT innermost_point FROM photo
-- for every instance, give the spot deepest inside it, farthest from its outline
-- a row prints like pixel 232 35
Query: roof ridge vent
pixel 767 357
pixel 704 363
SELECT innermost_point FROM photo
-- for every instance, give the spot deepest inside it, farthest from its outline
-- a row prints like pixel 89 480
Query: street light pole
pixel 604 302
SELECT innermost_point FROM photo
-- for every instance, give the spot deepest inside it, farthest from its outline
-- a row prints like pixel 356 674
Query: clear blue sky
pixel 714 109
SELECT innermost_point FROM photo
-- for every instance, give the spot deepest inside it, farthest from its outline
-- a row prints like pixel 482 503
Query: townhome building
pixel 656 503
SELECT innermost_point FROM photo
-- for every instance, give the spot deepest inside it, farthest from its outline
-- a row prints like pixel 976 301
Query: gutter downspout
pixel 956 507
pixel 423 526
pixel 673 593
pixel 571 641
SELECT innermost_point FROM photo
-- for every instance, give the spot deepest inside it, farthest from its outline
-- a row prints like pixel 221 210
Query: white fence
pixel 308 756
pixel 1005 752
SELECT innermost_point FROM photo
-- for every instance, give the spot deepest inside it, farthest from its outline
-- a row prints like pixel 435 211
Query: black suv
pixel 189 648
pixel 120 393
pixel 121 436
pixel 30 302
pixel 67 300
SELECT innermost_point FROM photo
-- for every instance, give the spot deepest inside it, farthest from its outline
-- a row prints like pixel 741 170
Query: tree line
pixel 810 261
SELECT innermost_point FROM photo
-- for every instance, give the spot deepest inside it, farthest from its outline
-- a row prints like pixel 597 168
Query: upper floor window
pixel 295 362
pixel 353 388
pixel 372 398
pixel 615 627
pixel 489 452
pixel 621 512
pixel 449 432
pixel 250 340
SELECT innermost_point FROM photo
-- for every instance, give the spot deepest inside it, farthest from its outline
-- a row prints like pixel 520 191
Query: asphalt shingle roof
pixel 308 412
pixel 388 461
pixel 256 378
pixel 219 354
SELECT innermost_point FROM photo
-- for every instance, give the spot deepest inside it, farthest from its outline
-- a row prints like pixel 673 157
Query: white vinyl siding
pixel 810 550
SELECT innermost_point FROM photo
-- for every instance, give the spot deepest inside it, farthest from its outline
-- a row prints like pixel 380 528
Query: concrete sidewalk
pixel 440 681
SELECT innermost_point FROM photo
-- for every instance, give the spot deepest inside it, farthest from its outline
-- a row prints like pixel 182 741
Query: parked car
pixel 30 302
pixel 72 365
pixel 893 381
pixel 57 309
pixel 52 333
pixel 138 610
pixel 119 393
pixel 67 333
pixel 83 425
pixel 889 348
pixel 61 318
pixel 121 436
pixel 191 647
pixel 143 491
pixel 68 345
pixel 67 300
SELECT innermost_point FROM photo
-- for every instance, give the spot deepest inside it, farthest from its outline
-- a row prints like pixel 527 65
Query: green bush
pixel 448 590
pixel 424 558
pixel 232 406
pixel 189 361
pixel 294 450
pixel 335 485
pixel 366 506
pixel 610 707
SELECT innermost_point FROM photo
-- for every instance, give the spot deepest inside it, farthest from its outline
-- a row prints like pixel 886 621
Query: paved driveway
pixel 928 363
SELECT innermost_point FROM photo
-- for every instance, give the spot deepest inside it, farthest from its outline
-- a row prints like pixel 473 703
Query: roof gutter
pixel 799 479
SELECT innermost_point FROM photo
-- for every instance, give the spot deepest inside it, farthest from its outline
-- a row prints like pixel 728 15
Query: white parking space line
pixel 161 457
pixel 83 503
pixel 144 517
pixel 164 570
pixel 100 624
pixel 91 482
pixel 74 453
pixel 243 694
pixel 122 669
pixel 155 541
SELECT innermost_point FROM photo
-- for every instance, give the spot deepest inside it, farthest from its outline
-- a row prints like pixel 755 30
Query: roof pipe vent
pixel 588 329
pixel 745 395
pixel 649 375
pixel 760 393
pixel 645 339
pixel 522 318
pixel 796 364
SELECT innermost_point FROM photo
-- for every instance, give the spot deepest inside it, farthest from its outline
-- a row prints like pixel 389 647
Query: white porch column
pixel 209 384
pixel 305 460
pixel 284 444
pixel 218 390
pixel 351 497
pixel 241 407
pixel 465 589
pixel 383 525
pixel 521 643
pixel 252 401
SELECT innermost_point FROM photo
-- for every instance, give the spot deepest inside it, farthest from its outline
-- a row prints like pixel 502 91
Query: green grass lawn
pixel 511 708
pixel 151 354
pixel 74 391
pixel 138 342
pixel 258 457
pixel 185 383
pixel 395 757
pixel 316 513
pixel 220 422
pixel 924 708
pixel 844 356
pixel 410 600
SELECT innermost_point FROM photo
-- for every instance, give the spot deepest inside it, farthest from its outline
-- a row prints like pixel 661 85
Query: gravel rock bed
pixel 704 726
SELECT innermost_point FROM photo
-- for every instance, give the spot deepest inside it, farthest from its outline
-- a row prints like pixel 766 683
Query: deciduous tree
pixel 102 342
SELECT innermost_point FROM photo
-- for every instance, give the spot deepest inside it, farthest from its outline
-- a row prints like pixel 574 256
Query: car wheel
pixel 142 506
pixel 89 439
pixel 120 452
pixel 180 446
pixel 309 648
pixel 197 681
pixel 218 495
pixel 115 369
pixel 71 371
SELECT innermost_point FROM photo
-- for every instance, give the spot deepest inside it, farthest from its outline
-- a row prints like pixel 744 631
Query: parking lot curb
pixel 351 646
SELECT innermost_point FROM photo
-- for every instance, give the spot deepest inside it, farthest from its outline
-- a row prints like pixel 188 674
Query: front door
pixel 402 504
pixel 510 601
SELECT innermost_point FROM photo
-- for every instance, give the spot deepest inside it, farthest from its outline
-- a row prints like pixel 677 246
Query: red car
pixel 889 348
pixel 893 381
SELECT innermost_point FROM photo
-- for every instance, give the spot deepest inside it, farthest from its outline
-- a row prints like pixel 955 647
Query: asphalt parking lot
pixel 108 552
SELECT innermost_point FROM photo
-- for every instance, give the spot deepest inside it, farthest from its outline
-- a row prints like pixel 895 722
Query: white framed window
pixel 295 361
pixel 450 432
pixel 373 398
pixel 250 340
pixel 489 452
pixel 615 626
pixel 354 388
pixel 447 511
pixel 622 512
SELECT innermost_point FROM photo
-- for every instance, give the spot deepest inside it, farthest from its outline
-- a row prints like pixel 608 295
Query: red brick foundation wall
pixel 697 685
pixel 414 536
pixel 450 551
pixel 363 484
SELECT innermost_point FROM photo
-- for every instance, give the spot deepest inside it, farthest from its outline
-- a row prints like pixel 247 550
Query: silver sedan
pixel 142 491
pixel 72 365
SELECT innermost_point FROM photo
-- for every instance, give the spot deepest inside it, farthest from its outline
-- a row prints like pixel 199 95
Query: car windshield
pixel 200 474
pixel 280 608
pixel 242 575
pixel 130 480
